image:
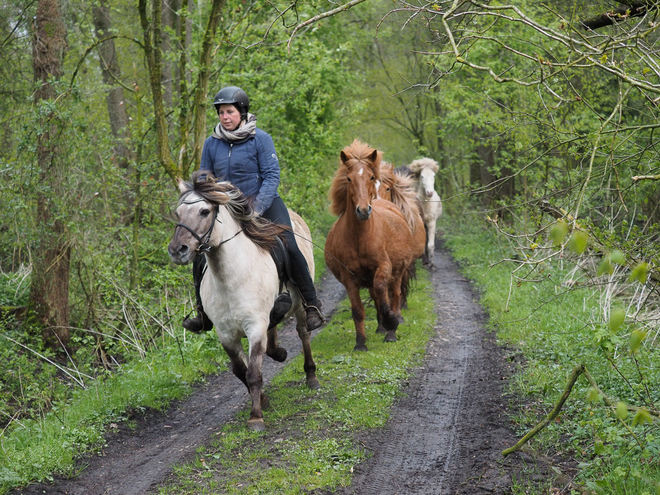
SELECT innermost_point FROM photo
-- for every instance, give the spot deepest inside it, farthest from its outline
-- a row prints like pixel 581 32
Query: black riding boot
pixel 305 286
pixel 201 322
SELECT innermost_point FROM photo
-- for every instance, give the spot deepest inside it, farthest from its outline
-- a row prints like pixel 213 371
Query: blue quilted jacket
pixel 250 164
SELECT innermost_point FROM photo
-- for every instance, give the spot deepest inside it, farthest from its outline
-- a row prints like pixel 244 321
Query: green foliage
pixel 555 326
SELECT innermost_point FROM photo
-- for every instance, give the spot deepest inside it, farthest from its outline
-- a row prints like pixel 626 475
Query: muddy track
pixel 444 436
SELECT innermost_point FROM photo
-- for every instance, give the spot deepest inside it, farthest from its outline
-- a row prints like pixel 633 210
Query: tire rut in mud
pixel 446 434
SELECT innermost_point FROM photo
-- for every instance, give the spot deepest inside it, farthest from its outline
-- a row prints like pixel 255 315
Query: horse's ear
pixel 182 185
pixel 376 157
pixel 344 157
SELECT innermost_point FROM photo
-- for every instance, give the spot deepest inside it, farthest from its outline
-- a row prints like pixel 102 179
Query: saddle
pixel 283 302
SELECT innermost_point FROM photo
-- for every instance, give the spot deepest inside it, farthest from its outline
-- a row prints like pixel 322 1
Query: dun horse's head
pixel 196 219
pixel 361 171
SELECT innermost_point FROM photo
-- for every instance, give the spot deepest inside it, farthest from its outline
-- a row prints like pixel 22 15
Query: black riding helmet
pixel 232 95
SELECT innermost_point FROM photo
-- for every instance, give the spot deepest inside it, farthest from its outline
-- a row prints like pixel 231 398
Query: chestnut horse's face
pixel 195 218
pixel 362 183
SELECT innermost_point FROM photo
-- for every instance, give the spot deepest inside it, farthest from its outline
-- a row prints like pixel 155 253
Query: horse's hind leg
pixel 273 350
pixel 305 338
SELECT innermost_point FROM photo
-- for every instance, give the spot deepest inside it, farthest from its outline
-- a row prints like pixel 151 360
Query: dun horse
pixel 370 245
pixel 241 282
pixel 423 171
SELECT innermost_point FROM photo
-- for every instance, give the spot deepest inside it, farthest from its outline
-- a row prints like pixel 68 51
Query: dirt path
pixel 445 436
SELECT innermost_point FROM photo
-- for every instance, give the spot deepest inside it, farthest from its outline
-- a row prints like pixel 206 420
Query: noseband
pixel 204 246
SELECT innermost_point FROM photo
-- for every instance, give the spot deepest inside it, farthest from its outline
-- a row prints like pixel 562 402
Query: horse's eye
pixel 348 179
pixel 388 189
pixel 204 213
pixel 372 177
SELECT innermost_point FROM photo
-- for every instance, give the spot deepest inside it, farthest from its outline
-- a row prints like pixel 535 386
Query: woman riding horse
pixel 241 153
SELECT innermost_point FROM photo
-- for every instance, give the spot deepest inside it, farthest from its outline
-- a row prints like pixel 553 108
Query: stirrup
pixel 315 318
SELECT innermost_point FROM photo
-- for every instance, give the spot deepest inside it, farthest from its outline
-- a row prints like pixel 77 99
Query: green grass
pixel 309 443
pixel 32 450
pixel 555 321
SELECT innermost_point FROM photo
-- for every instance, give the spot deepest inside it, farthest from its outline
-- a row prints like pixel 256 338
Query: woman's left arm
pixel 269 168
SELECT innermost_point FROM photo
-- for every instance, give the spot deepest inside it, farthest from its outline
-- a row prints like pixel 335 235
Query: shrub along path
pixel 445 435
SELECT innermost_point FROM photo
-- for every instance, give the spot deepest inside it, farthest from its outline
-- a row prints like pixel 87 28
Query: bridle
pixel 204 246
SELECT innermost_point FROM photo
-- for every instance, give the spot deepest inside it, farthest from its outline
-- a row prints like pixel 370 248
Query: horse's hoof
pixel 278 354
pixel 256 424
pixel 313 384
pixel 265 401
pixel 360 347
pixel 390 337
pixel 381 329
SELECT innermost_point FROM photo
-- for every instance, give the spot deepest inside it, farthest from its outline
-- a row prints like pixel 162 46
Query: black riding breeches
pixel 278 213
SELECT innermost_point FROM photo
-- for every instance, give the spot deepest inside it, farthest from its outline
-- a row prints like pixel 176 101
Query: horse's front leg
pixel 429 252
pixel 379 317
pixel 425 258
pixel 254 381
pixel 357 310
pixel 382 286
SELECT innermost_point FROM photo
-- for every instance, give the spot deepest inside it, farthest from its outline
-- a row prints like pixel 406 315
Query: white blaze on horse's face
pixel 362 188
pixel 427 180
pixel 197 215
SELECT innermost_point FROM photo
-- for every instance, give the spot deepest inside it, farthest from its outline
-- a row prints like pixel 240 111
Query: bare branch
pixel 323 15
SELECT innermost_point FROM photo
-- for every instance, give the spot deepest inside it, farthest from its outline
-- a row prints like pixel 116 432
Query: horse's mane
pixel 401 189
pixel 418 165
pixel 356 153
pixel 259 230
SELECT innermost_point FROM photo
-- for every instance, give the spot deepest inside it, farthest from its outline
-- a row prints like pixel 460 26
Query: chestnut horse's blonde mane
pixel 402 193
pixel 357 153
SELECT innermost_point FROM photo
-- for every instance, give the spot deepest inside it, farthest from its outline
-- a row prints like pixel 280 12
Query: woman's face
pixel 229 116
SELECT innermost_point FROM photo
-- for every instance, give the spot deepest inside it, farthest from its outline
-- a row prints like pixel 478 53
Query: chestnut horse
pixel 241 282
pixel 398 187
pixel 370 245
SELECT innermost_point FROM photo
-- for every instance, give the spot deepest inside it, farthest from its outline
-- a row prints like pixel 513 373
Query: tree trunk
pixel 49 292
pixel 111 74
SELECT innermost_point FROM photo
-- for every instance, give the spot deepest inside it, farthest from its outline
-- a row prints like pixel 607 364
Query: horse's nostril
pixel 183 249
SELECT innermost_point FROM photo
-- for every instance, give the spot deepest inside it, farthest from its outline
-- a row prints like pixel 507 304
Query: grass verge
pixel 310 443
pixel 36 449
